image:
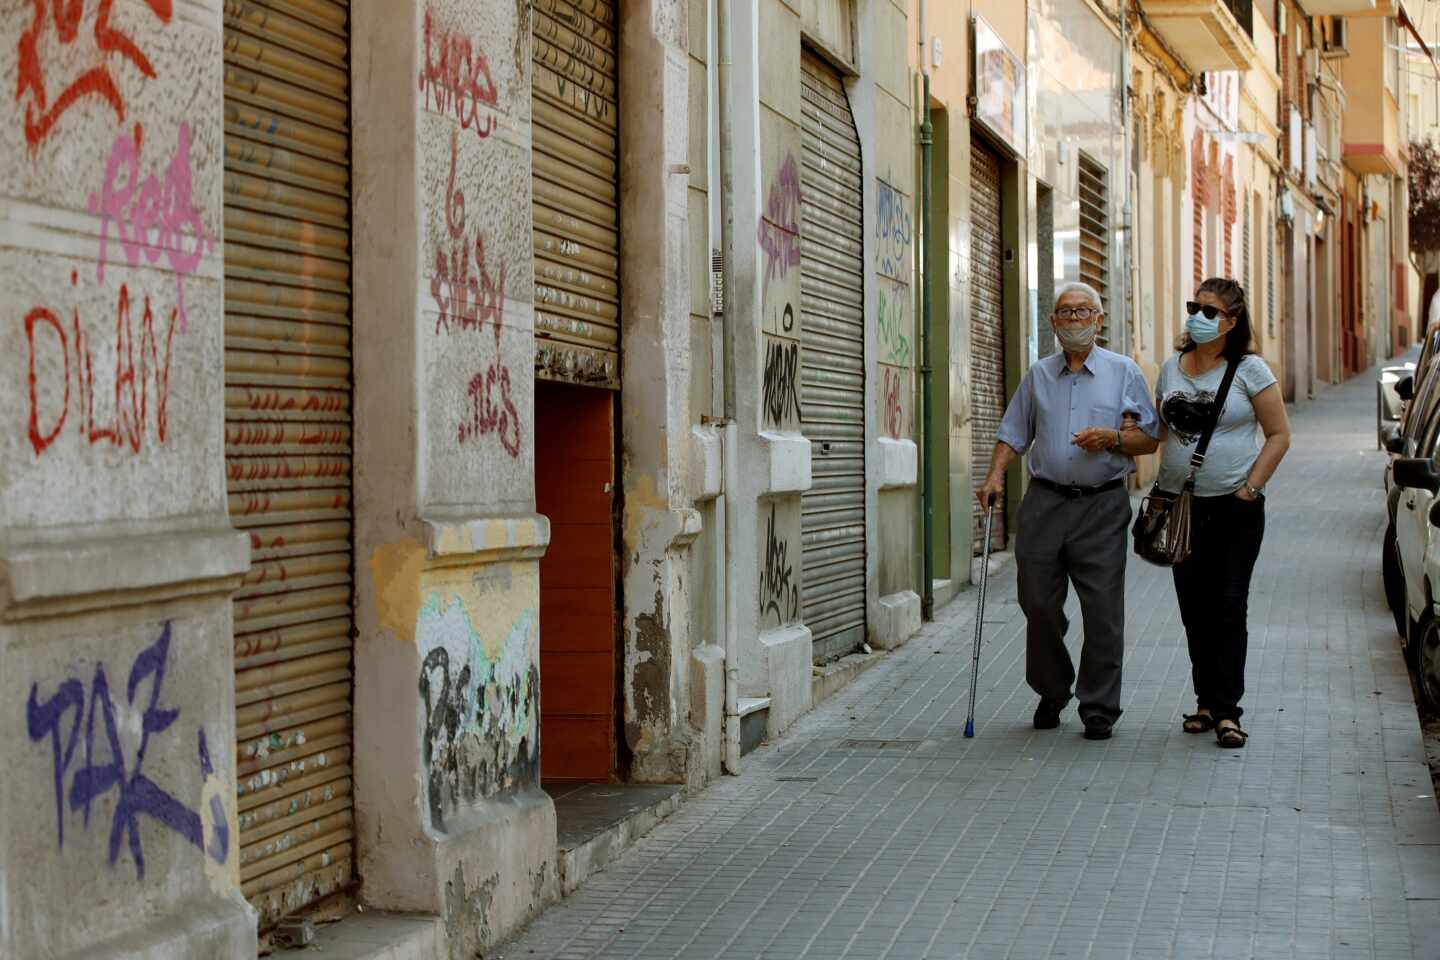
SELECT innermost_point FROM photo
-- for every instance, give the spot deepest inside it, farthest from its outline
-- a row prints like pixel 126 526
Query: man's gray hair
pixel 1075 286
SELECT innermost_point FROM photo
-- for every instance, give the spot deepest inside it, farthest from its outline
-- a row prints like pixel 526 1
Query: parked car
pixel 1392 389
pixel 1411 551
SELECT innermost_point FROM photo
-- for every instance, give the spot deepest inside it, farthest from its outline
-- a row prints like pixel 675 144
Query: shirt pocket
pixel 1105 415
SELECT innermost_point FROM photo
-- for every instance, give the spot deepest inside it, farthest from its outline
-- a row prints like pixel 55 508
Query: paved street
pixel 1320 839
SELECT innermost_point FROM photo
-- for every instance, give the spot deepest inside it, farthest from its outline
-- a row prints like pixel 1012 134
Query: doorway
pixel 575 489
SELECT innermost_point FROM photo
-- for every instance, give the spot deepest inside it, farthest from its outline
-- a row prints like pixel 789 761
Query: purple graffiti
pixel 779 232
pixel 137 793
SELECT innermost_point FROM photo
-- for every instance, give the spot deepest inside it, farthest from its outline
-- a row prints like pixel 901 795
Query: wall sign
pixel 1000 100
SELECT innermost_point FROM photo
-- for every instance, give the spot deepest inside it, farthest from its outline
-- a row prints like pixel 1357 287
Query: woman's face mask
pixel 1202 329
pixel 1206 322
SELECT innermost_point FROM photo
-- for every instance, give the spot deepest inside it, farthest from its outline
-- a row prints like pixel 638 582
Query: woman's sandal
pixel 1231 736
pixel 1198 723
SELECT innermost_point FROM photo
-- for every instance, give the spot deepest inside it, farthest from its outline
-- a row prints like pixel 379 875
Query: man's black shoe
pixel 1047 714
pixel 1097 728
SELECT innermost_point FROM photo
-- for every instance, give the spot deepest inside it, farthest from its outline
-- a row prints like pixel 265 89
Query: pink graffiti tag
pixel 779 231
pixel 94 79
pixel 459 80
pixel 464 299
pixel 151 219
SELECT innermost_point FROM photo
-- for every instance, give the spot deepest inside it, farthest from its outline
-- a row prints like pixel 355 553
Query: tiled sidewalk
pixel 1318 840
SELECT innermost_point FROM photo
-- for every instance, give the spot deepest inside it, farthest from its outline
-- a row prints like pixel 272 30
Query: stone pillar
pixel 660 521
pixel 118 832
pixel 450 814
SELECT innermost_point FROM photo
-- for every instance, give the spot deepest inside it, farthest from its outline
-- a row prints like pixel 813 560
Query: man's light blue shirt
pixel 1054 403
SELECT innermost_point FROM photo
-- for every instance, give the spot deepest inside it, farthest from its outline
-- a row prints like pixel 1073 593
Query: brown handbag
pixel 1162 529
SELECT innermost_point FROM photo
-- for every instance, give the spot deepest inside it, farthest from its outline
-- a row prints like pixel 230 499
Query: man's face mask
pixel 1075 327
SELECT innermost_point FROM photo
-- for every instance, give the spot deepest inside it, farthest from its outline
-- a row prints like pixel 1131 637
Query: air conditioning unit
pixel 1338 43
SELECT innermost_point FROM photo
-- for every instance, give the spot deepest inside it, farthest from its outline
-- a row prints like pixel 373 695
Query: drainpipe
pixel 927 492
pixel 718 59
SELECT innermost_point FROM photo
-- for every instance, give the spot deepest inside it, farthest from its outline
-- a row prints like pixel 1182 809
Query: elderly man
pixel 1082 415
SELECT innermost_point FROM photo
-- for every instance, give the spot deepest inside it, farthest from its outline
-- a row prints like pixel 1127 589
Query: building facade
pixel 416 405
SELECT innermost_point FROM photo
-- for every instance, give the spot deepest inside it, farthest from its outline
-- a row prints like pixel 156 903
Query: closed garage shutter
pixel 987 329
pixel 577 217
pixel 832 360
pixel 287 442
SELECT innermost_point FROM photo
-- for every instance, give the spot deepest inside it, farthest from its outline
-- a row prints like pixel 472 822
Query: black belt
pixel 1074 492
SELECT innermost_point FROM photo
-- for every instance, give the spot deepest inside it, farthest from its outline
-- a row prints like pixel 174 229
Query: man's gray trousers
pixel 1084 541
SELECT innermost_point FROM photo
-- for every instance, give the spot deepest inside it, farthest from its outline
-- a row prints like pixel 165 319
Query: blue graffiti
pixel 894 232
pixel 137 794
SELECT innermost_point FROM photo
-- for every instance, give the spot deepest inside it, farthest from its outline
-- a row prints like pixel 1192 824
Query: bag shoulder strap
pixel 1197 459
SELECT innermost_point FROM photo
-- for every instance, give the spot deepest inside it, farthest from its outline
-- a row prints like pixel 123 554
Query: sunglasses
pixel 1210 311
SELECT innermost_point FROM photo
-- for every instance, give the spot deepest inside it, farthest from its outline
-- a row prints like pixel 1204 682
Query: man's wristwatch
pixel 1255 492
pixel 1116 444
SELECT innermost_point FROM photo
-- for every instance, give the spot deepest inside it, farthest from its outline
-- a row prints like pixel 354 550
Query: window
pixel 1095 232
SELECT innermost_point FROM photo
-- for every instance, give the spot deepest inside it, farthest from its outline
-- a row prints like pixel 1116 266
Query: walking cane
pixel 979 619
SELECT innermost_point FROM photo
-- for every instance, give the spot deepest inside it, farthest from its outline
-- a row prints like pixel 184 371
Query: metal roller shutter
pixel 576 204
pixel 987 329
pixel 287 442
pixel 832 365
pixel 1095 233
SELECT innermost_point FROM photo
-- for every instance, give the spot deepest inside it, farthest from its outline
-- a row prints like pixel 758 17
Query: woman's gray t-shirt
pixel 1185 403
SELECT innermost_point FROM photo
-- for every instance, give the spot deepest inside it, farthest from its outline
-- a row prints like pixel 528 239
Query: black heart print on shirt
pixel 1188 413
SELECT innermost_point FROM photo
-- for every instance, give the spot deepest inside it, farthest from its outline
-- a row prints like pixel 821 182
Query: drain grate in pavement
pixel 892 744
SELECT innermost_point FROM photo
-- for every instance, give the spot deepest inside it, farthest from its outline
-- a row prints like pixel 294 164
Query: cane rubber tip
pixel 969 730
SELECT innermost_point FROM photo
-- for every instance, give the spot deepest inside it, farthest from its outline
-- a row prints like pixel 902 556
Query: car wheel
pixel 1394 581
pixel 1425 661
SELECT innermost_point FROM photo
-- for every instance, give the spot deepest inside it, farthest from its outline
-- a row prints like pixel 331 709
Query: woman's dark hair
pixel 1238 341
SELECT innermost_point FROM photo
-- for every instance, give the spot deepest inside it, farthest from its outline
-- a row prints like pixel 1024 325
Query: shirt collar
pixel 1090 365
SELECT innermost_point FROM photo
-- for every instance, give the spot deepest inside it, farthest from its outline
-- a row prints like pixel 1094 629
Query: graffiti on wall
pixel 481 707
pixel 894 232
pixel 893 322
pixel 455 78
pixel 779 584
pixel 152 219
pixel 568 45
pixel 467 299
pixel 779 231
pixel 782 382
pixel 60 66
pixel 72 717
pixel 140 388
pixel 893 395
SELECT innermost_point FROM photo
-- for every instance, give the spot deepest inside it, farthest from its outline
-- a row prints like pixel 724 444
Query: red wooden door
pixel 574 483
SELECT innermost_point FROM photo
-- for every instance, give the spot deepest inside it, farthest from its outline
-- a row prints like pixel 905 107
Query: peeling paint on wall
pixel 480 696
pixel 395 569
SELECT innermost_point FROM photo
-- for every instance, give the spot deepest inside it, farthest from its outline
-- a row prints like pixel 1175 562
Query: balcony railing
pixel 1244 13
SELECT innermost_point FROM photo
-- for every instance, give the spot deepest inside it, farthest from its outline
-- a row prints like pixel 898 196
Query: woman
pixel 1228 518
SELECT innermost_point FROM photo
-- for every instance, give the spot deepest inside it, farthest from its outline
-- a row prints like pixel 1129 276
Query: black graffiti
pixel 782 380
pixel 779 588
pixel 445 713
pixel 787 322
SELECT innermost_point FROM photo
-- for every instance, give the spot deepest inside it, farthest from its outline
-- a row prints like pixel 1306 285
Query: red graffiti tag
pixel 486 415
pixel 94 80
pixel 894 410
pixel 130 418
pixel 469 301
pixel 459 79
pixel 150 218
